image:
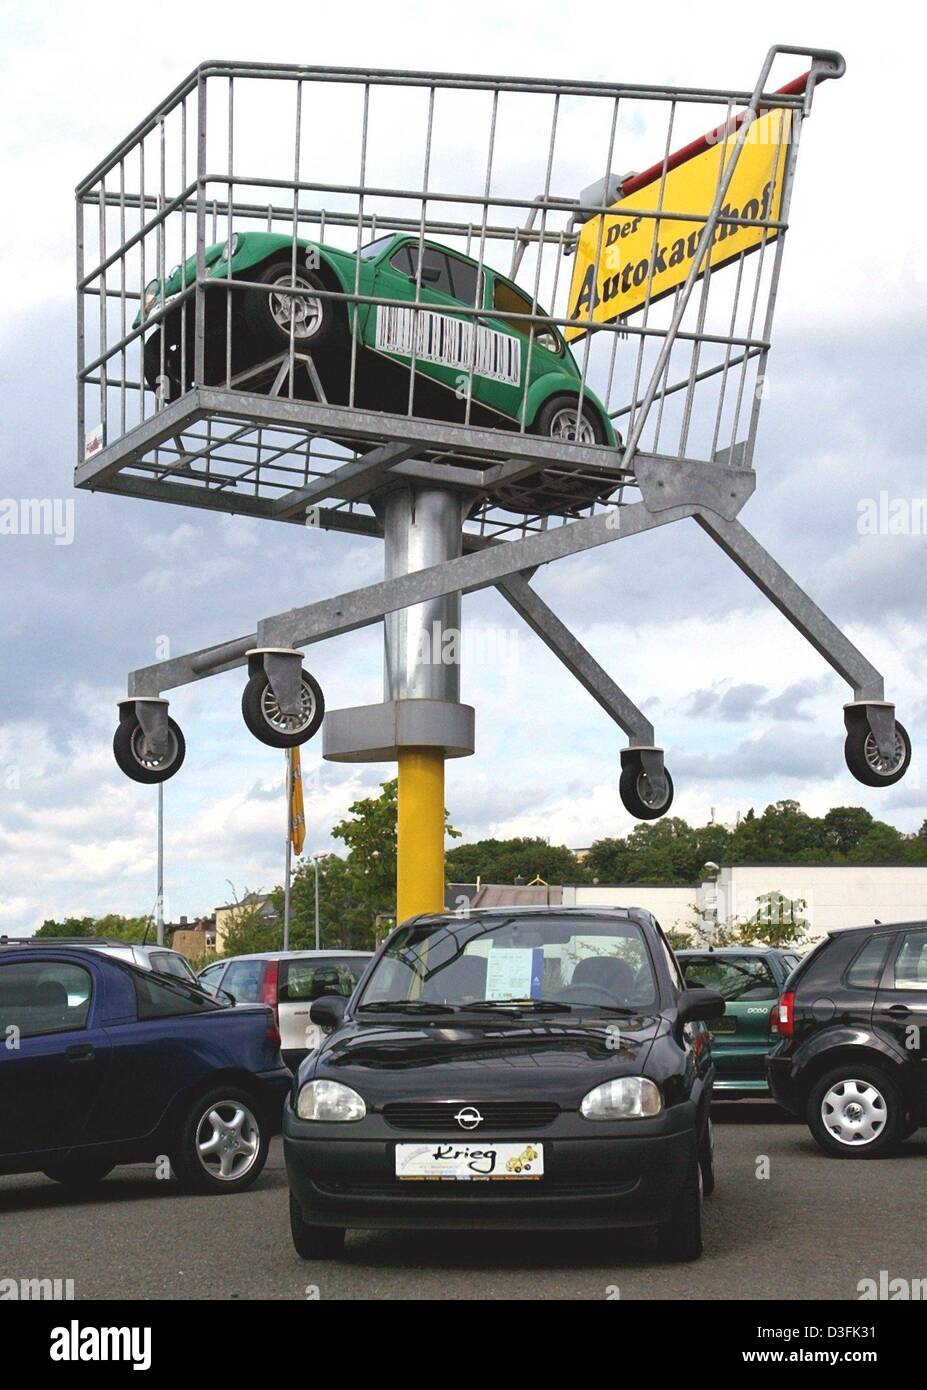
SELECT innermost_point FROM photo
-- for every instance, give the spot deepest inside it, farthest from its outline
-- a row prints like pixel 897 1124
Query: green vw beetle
pixel 515 377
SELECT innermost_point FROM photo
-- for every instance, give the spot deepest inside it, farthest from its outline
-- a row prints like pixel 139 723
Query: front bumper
pixel 597 1174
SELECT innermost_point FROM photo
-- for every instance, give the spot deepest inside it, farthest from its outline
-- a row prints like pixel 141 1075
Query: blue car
pixel 103 1063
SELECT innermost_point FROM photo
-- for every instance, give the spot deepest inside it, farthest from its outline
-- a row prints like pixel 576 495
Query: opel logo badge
pixel 468 1117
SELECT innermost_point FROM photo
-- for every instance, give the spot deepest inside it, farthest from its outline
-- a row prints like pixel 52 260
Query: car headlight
pixel 625 1098
pixel 329 1100
pixel 231 247
pixel 152 290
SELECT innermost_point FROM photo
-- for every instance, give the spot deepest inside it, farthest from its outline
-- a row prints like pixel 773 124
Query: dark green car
pixel 750 979
pixel 515 377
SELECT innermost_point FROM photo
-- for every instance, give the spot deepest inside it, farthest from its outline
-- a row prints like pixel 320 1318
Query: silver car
pixel 288 981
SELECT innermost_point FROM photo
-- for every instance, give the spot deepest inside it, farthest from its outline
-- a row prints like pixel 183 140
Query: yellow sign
pixel 625 259
pixel 297 812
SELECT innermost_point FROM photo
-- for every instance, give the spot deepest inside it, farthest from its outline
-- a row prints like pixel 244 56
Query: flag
pixel 297 812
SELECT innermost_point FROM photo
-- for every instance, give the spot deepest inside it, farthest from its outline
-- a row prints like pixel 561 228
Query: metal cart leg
pixel 877 749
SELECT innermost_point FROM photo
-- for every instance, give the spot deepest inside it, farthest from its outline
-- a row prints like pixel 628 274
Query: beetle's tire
pixel 680 1238
pixel 127 750
pixel 81 1174
pixel 637 795
pixel 165 383
pixel 314 1242
pixel 706 1158
pixel 267 315
pixel 832 1112
pixel 232 1121
pixel 557 419
pixel 261 713
pixel 863 758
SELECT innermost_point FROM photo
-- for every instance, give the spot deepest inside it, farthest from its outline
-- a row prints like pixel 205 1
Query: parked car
pixel 508 1069
pixel 106 1063
pixel 750 980
pixel 161 959
pixel 852 1055
pixel 288 981
pixel 515 374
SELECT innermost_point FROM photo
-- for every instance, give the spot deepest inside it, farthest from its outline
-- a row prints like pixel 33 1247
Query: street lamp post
pixel 315 865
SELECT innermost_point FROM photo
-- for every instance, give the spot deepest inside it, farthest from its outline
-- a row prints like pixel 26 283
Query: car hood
pixel 408 1060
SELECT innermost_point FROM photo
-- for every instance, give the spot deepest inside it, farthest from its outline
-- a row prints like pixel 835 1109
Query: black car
pixel 508 1069
pixel 852 1055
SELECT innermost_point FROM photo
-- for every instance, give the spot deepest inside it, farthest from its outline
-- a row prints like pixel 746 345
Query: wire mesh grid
pixel 528 283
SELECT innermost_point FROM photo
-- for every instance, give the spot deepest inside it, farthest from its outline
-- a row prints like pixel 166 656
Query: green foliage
pixel 357 892
pixel 671 851
pixel 70 926
pixel 778 921
pixel 248 929
pixel 501 861
pixel 114 925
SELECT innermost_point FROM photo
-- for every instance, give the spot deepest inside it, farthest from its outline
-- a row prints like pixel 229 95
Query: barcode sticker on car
pixel 433 337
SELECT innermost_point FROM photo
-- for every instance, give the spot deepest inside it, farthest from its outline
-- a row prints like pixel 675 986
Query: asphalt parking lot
pixel 811 1230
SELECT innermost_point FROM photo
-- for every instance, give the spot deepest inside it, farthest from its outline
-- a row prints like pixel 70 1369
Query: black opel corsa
pixel 508 1069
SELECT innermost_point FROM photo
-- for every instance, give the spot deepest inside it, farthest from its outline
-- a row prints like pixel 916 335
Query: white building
pixel 834 895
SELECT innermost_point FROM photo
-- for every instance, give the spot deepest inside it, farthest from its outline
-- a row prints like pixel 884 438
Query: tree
pixel 119 928
pixel 778 921
pixel 782 834
pixel 357 892
pixel 845 826
pixel 502 861
pixel 249 929
pixel 71 926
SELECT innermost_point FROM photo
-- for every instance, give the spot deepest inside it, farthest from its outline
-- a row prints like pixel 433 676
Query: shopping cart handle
pixel 825 63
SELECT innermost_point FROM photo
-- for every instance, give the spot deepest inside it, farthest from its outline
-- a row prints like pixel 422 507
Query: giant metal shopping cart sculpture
pixel 392 315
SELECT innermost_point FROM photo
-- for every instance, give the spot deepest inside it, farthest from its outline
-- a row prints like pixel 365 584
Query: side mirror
pixel 699 1006
pixel 328 1011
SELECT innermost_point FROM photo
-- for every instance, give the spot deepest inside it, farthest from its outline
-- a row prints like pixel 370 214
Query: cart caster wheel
pixel 269 724
pixel 143 766
pixel 864 759
pixel 637 792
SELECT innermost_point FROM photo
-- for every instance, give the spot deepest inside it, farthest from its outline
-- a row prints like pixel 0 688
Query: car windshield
pixel 734 977
pixel 543 963
pixel 373 248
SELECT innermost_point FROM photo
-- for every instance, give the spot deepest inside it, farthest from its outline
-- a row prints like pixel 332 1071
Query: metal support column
pixel 422 527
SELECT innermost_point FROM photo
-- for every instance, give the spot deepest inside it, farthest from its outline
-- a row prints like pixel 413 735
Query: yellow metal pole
pixel 420 832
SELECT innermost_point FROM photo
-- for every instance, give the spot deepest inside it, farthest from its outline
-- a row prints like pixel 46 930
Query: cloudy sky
pixel 746 710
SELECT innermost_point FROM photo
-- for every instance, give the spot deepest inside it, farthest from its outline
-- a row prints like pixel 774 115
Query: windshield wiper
pixel 540 1006
pixel 412 1006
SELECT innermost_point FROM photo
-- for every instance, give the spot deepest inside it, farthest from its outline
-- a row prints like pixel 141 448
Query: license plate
pixel 436 1161
pixel 724 1025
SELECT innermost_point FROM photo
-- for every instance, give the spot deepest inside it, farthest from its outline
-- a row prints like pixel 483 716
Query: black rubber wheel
pixel 222 1142
pixel 638 796
pixel 856 1111
pixel 864 759
pixel 314 1242
pixel 79 1173
pixel 267 316
pixel 557 419
pixel 706 1158
pixel 681 1237
pixel 141 767
pixel 154 378
pixel 262 715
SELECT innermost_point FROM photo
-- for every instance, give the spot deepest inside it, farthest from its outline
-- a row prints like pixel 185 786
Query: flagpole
pixel 289 851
